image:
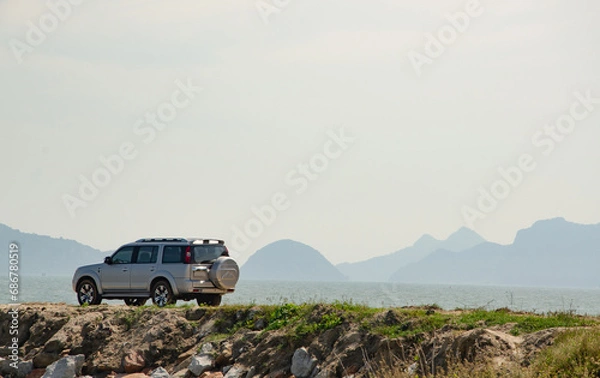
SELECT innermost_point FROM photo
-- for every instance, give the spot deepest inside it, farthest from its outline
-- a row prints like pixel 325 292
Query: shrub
pixel 574 354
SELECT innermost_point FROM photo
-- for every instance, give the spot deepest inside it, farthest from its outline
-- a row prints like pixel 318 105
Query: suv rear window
pixel 207 253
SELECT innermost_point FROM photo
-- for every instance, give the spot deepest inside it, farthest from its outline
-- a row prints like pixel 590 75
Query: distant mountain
pixel 44 255
pixel 380 269
pixel 552 253
pixel 288 260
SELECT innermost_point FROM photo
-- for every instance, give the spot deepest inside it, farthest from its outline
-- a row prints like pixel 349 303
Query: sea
pixel 449 297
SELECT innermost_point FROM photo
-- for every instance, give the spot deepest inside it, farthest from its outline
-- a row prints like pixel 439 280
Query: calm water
pixel 584 301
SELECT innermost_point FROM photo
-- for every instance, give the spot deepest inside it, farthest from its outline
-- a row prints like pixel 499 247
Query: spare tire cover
pixel 224 273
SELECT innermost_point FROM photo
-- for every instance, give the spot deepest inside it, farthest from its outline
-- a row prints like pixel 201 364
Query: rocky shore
pixel 307 341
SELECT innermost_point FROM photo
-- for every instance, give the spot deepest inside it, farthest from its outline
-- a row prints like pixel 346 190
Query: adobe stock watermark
pixel 436 43
pixel 267 8
pixel 58 11
pixel 14 258
pixel 297 182
pixel 146 128
pixel 544 142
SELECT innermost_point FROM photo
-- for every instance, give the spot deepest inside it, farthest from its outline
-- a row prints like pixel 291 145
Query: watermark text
pixel 13 291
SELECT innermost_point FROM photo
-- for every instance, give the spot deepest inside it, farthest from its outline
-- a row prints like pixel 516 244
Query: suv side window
pixel 147 254
pixel 172 254
pixel 123 256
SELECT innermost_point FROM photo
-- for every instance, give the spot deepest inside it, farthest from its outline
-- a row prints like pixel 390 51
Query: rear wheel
pixel 135 301
pixel 209 299
pixel 87 293
pixel 162 294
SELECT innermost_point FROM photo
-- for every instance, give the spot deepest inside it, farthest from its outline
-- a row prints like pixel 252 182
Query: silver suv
pixel 164 270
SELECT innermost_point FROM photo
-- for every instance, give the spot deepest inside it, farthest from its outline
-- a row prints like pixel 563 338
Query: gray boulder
pixel 235 372
pixel 303 364
pixel 67 367
pixel 160 373
pixel 201 363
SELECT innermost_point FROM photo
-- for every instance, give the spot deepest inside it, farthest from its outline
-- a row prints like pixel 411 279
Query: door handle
pixel 125 270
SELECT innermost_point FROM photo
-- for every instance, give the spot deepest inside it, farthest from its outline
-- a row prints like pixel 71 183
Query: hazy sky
pixel 426 123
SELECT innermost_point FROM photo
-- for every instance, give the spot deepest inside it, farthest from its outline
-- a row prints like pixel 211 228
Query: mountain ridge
pixel 550 253
pixel 380 268
pixel 65 254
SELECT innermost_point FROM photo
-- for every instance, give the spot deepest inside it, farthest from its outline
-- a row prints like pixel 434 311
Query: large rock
pixel 25 368
pixel 67 367
pixel 235 372
pixel 56 345
pixel 133 362
pixel 44 359
pixel 201 363
pixel 303 364
pixel 160 373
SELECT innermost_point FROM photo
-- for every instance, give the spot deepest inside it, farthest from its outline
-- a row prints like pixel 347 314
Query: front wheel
pixel 162 294
pixel 87 293
pixel 135 301
pixel 209 299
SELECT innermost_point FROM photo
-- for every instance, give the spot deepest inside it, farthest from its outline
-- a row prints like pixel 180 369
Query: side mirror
pixel 108 260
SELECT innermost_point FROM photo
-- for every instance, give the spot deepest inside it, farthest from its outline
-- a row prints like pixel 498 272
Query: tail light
pixel 188 255
pixel 225 252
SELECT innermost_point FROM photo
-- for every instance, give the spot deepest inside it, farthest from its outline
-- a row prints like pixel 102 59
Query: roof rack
pixel 154 240
pixel 206 241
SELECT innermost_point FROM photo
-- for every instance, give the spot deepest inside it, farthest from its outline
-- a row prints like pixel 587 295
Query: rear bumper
pixel 198 287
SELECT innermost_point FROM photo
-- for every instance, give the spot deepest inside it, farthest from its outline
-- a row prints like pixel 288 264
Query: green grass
pixel 303 319
pixel 575 353
pixel 300 320
pixel 328 321
pixel 413 322
pixel 416 321
pixel 282 316
pixel 525 323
